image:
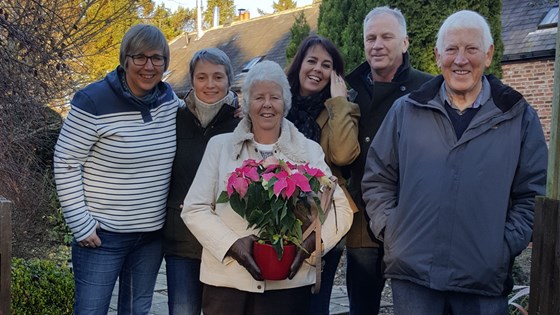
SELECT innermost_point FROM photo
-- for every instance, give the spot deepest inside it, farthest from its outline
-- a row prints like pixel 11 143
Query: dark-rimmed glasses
pixel 141 60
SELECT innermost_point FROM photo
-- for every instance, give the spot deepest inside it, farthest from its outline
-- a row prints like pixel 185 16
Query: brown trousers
pixel 221 301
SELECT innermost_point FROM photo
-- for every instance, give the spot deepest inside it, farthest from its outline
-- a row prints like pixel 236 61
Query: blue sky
pixel 251 5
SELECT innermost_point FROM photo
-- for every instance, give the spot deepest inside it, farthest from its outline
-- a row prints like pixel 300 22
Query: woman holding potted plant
pixel 233 282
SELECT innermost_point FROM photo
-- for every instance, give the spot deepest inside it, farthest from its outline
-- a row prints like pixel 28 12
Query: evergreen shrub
pixel 41 287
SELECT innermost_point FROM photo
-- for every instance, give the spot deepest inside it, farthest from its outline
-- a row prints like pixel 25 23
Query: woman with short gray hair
pixel 233 284
pixel 267 72
pixel 210 110
pixel 112 164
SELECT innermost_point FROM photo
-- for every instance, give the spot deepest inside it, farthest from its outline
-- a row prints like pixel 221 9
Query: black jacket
pixel 192 139
pixel 374 101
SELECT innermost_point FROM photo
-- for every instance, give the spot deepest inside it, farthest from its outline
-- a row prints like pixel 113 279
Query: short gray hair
pixel 465 19
pixel 266 71
pixel 386 10
pixel 141 38
pixel 213 56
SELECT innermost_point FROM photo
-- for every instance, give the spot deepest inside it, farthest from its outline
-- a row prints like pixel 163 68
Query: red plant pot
pixel 266 258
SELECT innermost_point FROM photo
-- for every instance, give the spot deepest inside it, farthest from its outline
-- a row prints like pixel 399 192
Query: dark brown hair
pixel 311 41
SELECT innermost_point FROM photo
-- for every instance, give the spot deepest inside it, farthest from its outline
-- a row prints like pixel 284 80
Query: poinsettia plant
pixel 276 198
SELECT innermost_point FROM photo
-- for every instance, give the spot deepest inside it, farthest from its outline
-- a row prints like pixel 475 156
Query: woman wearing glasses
pixel 113 164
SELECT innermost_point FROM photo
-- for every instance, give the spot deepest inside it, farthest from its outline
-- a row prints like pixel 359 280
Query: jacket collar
pixel 360 73
pixel 503 96
pixel 291 142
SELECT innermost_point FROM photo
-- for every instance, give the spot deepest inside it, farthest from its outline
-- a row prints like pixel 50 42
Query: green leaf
pixel 322 215
pixel 278 244
pixel 238 205
pixel 223 197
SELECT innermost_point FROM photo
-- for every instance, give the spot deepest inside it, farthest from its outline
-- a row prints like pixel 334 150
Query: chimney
pixel 199 31
pixel 241 14
pixel 216 16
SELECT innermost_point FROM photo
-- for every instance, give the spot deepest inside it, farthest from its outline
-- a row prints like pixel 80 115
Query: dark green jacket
pixel 192 139
pixel 374 101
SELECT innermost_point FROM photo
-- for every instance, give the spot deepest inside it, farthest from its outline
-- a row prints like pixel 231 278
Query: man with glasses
pixel 112 164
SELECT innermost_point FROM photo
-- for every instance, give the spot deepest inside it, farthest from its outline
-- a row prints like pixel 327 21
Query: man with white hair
pixel 382 78
pixel 450 181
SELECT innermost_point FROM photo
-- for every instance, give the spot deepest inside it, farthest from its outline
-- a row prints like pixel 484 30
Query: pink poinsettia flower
pixel 301 181
pixel 237 184
pixel 250 163
pixel 315 172
pixel 240 179
pixel 270 162
pixel 287 184
pixel 268 176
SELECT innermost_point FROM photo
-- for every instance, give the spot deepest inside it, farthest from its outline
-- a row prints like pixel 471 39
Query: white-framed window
pixel 550 19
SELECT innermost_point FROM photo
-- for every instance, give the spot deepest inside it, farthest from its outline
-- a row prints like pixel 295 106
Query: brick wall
pixel 533 79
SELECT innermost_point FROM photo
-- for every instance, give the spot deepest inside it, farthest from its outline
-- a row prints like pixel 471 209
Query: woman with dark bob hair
pixel 233 283
pixel 322 113
pixel 112 166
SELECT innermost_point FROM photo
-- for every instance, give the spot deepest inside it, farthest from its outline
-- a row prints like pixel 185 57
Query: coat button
pixel 403 88
pixel 367 139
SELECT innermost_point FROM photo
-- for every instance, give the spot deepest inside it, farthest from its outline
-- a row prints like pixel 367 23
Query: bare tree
pixel 42 45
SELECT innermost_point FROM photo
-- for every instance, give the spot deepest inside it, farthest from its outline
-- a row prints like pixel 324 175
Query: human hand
pixel 238 113
pixel 301 255
pixel 242 251
pixel 338 86
pixel 92 241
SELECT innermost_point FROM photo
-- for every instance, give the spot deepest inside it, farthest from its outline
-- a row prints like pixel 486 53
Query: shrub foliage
pixel 342 22
pixel 41 286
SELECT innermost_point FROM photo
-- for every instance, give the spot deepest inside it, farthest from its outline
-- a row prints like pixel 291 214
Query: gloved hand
pixel 301 255
pixel 242 251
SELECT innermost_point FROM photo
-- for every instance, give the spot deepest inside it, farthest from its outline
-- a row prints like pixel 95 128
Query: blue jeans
pixel 364 279
pixel 320 302
pixel 134 258
pixel 183 285
pixel 414 299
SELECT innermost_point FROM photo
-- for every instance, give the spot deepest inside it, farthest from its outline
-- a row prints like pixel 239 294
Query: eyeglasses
pixel 141 59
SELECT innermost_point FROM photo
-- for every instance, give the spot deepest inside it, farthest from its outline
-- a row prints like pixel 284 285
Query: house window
pixel 550 19
pixel 251 63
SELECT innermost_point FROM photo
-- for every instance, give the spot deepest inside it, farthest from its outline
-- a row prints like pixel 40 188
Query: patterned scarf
pixel 149 99
pixel 304 113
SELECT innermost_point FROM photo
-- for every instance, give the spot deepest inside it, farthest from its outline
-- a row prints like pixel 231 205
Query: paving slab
pixel 339 299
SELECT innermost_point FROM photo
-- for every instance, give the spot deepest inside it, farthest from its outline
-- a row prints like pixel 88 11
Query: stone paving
pixel 339 299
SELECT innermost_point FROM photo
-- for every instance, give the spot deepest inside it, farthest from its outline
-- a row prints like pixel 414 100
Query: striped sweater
pixel 113 159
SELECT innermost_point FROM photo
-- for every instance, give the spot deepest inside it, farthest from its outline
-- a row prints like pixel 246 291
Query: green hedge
pixel 41 287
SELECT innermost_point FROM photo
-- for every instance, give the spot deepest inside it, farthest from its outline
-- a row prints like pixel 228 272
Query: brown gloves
pixel 242 251
pixel 301 255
